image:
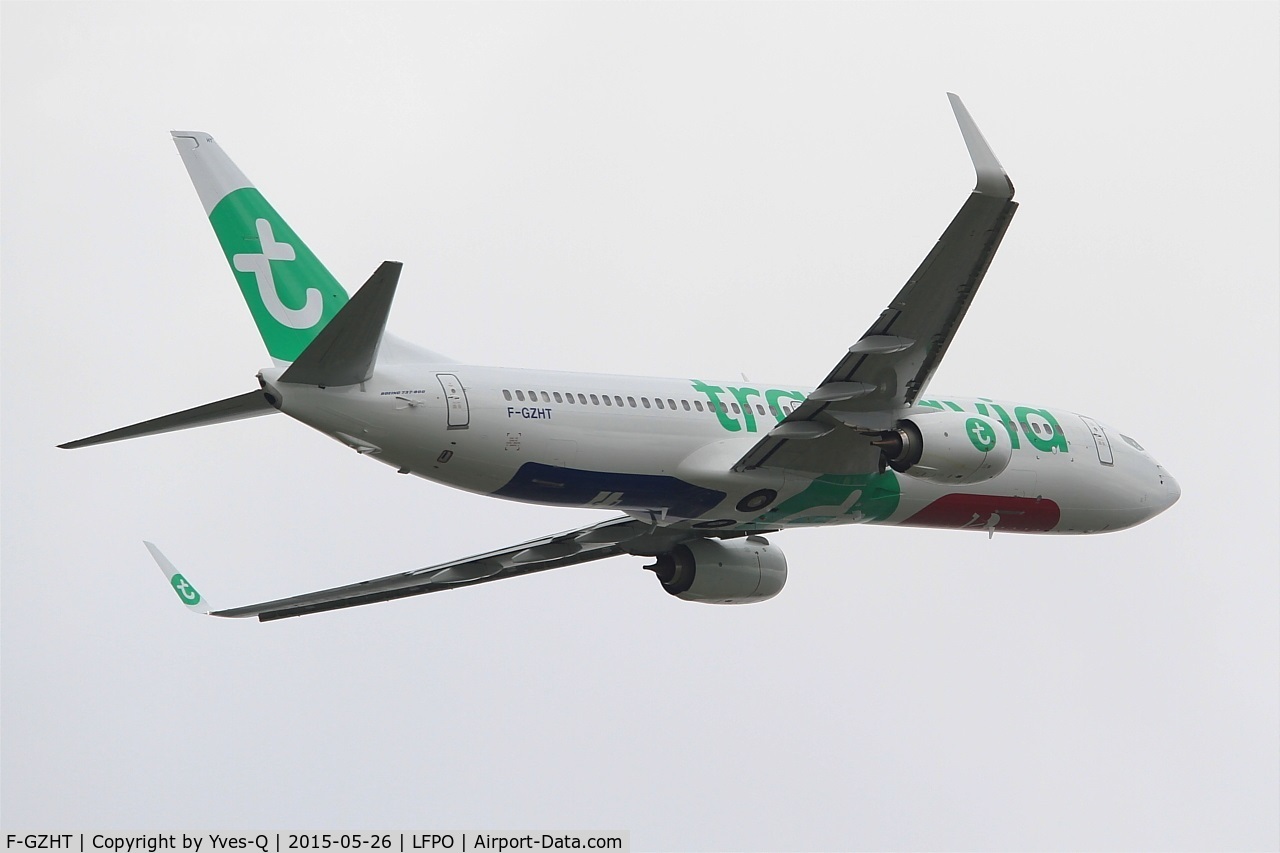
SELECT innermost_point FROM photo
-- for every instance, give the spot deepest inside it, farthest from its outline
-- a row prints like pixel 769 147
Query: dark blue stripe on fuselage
pixel 547 484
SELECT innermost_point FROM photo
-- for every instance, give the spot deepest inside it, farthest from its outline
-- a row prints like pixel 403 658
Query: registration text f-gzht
pixel 39 842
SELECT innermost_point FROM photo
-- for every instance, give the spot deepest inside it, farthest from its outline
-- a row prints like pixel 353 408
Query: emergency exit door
pixel 455 398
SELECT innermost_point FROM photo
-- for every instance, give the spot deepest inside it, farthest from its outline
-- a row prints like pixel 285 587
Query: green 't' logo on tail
pixel 289 292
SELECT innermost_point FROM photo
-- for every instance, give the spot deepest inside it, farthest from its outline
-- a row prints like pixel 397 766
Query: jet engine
pixel 950 448
pixel 736 571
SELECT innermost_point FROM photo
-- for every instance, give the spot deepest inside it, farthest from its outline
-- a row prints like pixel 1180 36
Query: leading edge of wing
pixel 888 368
pixel 585 544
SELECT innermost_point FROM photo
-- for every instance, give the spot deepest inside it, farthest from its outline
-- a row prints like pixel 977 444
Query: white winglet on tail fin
pixel 186 592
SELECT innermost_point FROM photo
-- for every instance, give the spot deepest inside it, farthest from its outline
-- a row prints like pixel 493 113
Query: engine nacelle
pixel 951 448
pixel 737 571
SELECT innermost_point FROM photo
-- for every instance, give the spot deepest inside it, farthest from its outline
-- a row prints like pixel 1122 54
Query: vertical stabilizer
pixel 289 292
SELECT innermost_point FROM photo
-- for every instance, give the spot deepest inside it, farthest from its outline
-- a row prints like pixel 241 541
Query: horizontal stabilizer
pixel 345 351
pixel 248 405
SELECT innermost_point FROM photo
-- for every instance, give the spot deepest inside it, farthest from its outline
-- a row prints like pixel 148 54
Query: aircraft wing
pixel 890 365
pixel 594 542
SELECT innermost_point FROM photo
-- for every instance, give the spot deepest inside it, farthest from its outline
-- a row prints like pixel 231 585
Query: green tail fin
pixel 289 292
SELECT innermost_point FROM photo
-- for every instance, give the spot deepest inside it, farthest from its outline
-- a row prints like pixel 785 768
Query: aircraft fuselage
pixel 665 447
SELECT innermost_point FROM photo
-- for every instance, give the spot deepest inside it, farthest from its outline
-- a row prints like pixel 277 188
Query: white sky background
pixel 688 190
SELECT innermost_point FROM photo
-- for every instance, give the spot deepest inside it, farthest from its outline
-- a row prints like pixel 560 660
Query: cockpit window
pixel 1132 443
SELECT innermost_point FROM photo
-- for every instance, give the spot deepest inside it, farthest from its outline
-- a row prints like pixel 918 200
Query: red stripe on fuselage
pixel 983 512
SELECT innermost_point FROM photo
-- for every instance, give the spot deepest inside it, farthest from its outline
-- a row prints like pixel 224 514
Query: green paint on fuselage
pixel 853 497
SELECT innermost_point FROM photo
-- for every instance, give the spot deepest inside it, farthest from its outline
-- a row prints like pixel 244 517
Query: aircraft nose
pixel 1172 491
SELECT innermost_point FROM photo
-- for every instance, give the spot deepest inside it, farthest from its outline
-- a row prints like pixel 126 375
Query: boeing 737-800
pixel 697 472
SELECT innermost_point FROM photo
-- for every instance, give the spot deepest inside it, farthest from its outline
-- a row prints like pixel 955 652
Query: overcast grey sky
pixel 656 189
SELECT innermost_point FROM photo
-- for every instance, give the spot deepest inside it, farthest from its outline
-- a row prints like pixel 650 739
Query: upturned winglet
pixel 992 179
pixel 186 592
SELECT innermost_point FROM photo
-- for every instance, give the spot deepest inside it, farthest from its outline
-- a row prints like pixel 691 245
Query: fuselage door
pixel 1100 440
pixel 455 398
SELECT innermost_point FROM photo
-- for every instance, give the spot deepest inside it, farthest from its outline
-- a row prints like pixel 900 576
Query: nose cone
pixel 1172 491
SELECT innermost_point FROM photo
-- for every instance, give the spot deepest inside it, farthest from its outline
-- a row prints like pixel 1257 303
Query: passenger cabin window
pixel 607 401
pixel 617 400
pixel 631 401
pixel 520 396
pixel 506 395
pixel 644 401
pixel 697 404
pixel 685 403
pixel 658 400
pixel 545 398
pixel 736 410
pixel 556 394
pixel 582 399
pixel 595 401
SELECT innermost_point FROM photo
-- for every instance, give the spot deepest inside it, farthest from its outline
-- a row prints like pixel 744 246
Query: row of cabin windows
pixel 620 402
pixel 1034 426
pixel 698 405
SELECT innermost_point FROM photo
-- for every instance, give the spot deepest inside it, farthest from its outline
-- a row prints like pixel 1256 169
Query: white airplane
pixel 700 470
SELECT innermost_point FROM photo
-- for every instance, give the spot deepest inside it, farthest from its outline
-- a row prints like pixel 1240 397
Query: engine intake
pixel 952 448
pixel 737 571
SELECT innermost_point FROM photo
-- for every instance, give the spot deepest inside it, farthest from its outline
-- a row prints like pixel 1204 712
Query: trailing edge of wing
pixel 594 542
pixel 248 405
pixel 346 349
pixel 616 536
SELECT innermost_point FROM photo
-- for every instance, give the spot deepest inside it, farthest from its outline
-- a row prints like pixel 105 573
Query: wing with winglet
pixel 887 369
pixel 620 535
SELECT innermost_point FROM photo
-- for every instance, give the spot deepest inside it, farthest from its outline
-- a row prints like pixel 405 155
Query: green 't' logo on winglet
pixel 981 434
pixel 185 591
